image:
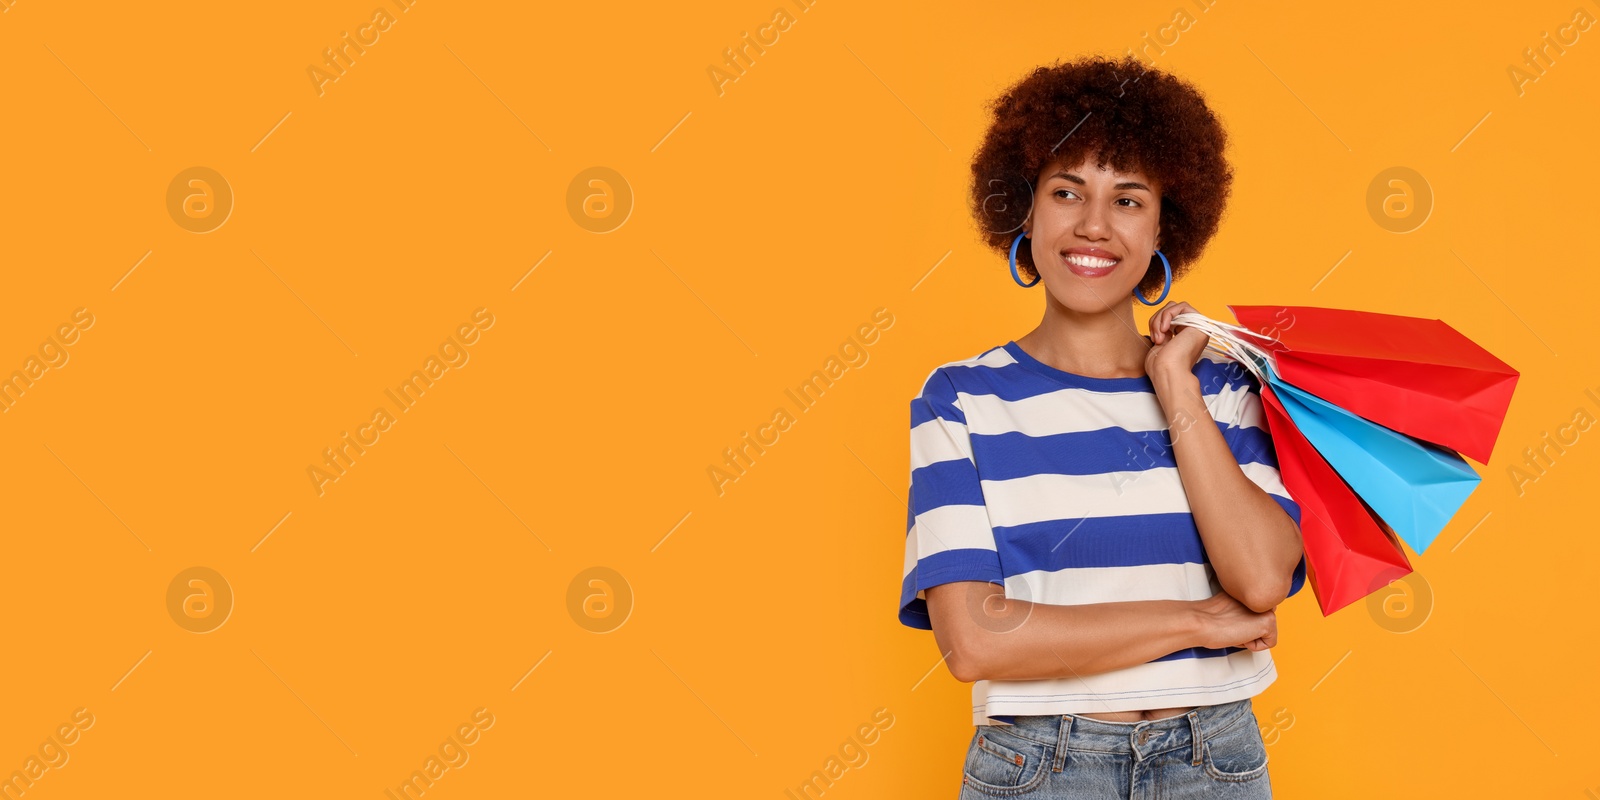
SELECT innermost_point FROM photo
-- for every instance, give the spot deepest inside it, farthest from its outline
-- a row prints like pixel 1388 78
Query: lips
pixel 1089 262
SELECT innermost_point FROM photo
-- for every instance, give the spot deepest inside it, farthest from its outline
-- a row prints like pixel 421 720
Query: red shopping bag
pixel 1349 552
pixel 1417 376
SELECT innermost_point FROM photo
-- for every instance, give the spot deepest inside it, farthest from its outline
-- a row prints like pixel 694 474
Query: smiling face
pixel 1093 233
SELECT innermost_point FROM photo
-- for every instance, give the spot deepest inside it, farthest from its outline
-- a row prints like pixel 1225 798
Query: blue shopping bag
pixel 1414 486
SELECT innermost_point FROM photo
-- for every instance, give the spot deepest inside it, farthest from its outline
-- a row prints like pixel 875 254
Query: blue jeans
pixel 1211 752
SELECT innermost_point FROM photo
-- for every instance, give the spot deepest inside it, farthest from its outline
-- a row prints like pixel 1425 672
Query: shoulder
pixel 1232 393
pixel 967 375
pixel 1218 373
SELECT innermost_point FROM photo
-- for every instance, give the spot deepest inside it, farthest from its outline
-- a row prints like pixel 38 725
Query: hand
pixel 1230 623
pixel 1177 347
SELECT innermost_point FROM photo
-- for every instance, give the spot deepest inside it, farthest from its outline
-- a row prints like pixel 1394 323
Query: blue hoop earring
pixel 1166 286
pixel 1014 275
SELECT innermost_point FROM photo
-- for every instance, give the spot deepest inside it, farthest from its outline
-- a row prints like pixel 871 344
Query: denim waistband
pixel 1141 739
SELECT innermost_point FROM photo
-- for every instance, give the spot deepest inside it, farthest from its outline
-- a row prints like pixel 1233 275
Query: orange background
pixel 751 632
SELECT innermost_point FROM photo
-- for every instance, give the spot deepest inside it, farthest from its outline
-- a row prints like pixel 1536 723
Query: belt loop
pixel 1194 733
pixel 1061 742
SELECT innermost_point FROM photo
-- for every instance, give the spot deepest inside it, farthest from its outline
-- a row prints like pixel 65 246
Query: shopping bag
pixel 1416 376
pixel 1414 486
pixel 1348 551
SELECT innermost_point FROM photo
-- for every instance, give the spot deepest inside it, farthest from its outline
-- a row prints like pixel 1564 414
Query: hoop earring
pixel 1014 275
pixel 1166 286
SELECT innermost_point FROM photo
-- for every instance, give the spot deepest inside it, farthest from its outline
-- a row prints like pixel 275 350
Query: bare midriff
pixel 1139 716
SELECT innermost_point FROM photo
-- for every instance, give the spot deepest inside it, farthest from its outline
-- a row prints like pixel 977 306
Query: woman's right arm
pixel 953 563
pixel 986 636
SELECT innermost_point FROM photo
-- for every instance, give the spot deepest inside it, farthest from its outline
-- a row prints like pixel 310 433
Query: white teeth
pixel 1089 261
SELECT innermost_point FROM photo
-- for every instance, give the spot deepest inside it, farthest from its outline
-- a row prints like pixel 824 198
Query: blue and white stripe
pixel 1063 488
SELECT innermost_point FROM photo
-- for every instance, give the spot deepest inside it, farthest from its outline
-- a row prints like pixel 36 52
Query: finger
pixel 1164 320
pixel 1186 309
pixel 1174 309
pixel 1179 308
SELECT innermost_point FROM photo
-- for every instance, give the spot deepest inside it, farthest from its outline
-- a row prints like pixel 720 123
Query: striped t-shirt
pixel 1063 488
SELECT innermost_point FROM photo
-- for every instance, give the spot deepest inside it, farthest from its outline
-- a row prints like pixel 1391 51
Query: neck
pixel 1102 344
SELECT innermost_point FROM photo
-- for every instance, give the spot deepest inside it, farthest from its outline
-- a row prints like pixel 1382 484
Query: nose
pixel 1092 224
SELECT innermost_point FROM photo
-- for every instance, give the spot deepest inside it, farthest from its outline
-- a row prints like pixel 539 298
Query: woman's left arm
pixel 1251 541
pixel 1253 544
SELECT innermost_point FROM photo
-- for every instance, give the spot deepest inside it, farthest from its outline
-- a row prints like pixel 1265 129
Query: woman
pixel 1097 532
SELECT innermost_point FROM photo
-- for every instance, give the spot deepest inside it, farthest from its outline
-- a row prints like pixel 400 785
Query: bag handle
pixel 1230 340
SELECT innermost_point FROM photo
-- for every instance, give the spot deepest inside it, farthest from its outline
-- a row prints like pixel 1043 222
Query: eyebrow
pixel 1081 182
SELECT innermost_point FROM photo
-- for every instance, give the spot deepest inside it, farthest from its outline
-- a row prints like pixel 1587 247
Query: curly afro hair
pixel 1134 118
